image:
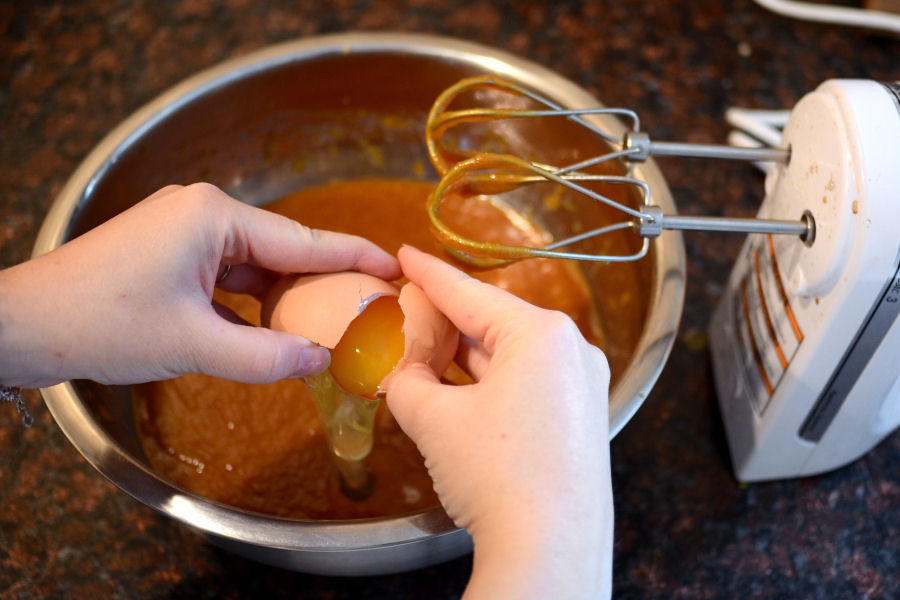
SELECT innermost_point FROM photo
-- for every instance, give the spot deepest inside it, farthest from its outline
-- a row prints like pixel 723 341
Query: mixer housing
pixel 805 337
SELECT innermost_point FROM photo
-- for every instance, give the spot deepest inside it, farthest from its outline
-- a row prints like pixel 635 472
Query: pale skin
pixel 520 458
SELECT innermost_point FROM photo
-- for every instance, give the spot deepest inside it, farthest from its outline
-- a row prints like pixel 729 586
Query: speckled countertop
pixel 70 71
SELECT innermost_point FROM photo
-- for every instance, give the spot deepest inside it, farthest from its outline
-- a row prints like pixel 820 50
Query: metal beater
pixel 485 173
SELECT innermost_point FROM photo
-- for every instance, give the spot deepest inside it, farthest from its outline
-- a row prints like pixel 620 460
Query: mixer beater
pixel 483 173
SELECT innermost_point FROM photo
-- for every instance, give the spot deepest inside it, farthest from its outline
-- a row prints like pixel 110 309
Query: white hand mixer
pixel 806 336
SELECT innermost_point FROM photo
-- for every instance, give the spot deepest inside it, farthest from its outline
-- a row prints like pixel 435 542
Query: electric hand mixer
pixel 806 336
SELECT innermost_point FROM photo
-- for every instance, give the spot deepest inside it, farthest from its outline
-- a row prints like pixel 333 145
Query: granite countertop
pixel 70 71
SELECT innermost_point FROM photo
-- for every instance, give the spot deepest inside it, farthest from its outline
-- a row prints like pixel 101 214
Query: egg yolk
pixel 370 348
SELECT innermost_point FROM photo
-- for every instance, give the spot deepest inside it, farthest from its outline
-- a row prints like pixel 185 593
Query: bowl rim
pixel 219 520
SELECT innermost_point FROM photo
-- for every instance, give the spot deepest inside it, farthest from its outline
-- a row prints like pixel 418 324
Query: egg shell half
pixel 321 307
pixel 429 336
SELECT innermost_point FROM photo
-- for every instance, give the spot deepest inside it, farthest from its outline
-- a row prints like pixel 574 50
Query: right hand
pixel 521 457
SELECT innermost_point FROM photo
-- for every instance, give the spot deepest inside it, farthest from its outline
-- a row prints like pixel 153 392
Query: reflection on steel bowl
pixel 290 117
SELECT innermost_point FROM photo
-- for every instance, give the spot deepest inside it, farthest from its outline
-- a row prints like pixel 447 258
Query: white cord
pixel 839 15
pixel 764 125
pixel 756 128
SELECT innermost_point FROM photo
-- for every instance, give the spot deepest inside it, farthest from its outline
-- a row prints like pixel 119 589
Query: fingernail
pixel 313 359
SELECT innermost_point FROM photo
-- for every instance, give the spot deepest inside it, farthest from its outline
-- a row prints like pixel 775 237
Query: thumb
pixel 412 391
pixel 255 354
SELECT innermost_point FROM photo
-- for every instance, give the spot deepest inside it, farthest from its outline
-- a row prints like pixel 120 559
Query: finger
pixel 253 354
pixel 411 393
pixel 472 357
pixel 472 305
pixel 247 279
pixel 280 244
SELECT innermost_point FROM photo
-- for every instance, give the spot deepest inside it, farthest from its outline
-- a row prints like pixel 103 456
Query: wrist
pixel 25 356
pixel 553 554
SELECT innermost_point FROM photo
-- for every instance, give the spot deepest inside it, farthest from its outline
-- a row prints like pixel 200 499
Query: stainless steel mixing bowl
pixel 269 123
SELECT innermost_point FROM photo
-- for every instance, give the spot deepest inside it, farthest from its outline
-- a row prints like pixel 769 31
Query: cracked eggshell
pixel 429 336
pixel 321 307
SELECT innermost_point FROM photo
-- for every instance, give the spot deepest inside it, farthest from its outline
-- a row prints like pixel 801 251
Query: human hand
pixel 131 300
pixel 521 457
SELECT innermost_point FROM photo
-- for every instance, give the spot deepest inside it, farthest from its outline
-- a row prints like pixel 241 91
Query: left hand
pixel 131 300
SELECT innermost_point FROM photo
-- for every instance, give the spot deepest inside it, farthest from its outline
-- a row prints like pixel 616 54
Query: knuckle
pixel 203 188
pixel 309 236
pixel 272 367
pixel 600 361
pixel 270 358
pixel 310 240
pixel 169 189
pixel 204 198
pixel 559 325
pixel 313 236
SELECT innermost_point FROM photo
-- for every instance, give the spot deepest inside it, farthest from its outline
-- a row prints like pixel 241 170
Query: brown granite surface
pixel 70 71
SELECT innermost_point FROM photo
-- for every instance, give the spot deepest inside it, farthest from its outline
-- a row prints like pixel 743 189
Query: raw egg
pixel 370 348
pixel 370 326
